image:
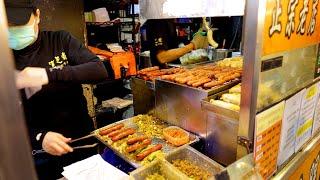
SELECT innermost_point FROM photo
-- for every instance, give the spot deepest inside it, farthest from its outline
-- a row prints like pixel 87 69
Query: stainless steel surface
pixel 143 96
pixel 253 28
pixel 219 54
pixel 222 132
pixel 298 159
pixel 166 147
pixel 160 167
pixel 243 169
pixel 16 159
pixel 181 105
pixel 190 154
pixel 163 9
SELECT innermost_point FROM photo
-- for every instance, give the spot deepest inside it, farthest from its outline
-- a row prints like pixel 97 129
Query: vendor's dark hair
pixel 34 10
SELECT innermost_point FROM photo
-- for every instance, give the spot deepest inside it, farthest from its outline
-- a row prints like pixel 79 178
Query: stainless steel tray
pixel 210 91
pixel 166 147
pixel 164 168
pixel 197 158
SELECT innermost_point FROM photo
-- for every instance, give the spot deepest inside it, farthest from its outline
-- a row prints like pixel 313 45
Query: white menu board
pixel 288 129
pixel 316 121
pixel 304 125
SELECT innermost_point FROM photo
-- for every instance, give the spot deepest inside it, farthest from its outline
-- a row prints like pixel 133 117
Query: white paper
pixel 316 121
pixel 95 168
pixel 304 125
pixel 101 15
pixel 288 130
pixel 31 91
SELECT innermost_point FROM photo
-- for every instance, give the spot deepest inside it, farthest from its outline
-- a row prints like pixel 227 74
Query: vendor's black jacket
pixel 59 106
pixel 161 35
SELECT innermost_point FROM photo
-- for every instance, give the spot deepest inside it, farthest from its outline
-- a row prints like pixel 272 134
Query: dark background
pixel 63 15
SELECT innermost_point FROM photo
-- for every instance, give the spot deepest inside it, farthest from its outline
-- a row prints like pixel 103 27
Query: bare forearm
pixel 173 54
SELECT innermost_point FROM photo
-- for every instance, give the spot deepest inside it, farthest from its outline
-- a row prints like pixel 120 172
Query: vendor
pixel 163 41
pixel 51 68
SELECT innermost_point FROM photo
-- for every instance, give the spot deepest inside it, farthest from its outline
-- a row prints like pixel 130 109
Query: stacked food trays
pixel 181 104
pixel 179 95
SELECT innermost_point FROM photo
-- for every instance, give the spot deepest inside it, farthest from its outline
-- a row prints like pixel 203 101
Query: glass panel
pixel 296 72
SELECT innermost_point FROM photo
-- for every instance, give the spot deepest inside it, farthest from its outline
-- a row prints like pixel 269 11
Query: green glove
pixel 200 40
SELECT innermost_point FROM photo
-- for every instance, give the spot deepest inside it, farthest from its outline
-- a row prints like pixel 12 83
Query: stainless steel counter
pixel 143 96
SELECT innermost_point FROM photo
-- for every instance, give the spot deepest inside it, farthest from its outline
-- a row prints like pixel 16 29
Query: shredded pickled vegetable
pixel 149 125
pixel 155 176
pixel 191 170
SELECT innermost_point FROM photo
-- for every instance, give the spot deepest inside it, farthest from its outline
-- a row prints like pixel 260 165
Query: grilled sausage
pixel 201 82
pixel 212 84
pixel 114 133
pixel 136 139
pixel 148 69
pixel 124 134
pixel 166 77
pixel 147 152
pixel 111 129
pixel 137 146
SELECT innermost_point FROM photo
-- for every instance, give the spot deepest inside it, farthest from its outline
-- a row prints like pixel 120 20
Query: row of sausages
pixel 152 73
pixel 207 76
pixel 118 132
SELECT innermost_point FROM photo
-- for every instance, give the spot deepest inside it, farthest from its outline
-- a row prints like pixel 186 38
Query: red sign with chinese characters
pixel 290 24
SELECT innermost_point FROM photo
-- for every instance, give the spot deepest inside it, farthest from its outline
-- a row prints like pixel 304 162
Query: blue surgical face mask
pixel 22 36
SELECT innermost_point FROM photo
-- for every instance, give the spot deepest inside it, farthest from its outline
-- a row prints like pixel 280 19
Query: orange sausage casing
pixel 148 69
pixel 137 146
pixel 111 129
pixel 213 83
pixel 124 134
pixel 136 139
pixel 146 152
pixel 114 133
pixel 201 82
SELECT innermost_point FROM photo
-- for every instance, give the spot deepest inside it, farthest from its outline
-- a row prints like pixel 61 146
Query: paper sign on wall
pixel 267 137
pixel 304 125
pixel 288 129
pixel 316 121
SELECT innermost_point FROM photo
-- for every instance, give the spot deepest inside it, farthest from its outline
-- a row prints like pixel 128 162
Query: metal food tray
pixel 128 123
pixel 161 167
pixel 190 154
pixel 210 91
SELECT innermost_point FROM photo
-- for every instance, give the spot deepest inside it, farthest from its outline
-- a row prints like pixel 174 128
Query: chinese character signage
pixel 290 24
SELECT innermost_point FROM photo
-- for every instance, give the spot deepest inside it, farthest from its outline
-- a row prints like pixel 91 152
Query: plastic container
pixel 164 168
pixel 194 156
pixel 176 135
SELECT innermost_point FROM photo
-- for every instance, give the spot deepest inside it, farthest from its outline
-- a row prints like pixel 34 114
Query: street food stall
pixel 276 121
pixel 255 116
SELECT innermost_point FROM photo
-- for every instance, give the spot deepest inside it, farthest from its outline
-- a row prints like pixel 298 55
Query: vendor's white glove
pixel 31 77
pixel 56 144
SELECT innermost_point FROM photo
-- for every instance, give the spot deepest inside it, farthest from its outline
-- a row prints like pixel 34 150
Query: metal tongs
pixel 34 152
